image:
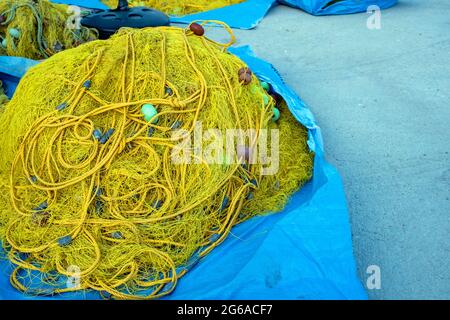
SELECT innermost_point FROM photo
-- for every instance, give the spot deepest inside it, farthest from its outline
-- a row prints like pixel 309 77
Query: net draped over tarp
pixel 303 252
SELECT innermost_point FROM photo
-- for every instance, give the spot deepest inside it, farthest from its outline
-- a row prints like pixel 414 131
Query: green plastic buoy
pixel 149 112
pixel 276 114
pixel 15 33
pixel 265 86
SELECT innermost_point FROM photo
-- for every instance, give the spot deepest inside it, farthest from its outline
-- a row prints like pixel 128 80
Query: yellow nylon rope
pixel 120 209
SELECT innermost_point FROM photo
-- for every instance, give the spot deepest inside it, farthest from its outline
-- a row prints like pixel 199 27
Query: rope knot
pixel 177 103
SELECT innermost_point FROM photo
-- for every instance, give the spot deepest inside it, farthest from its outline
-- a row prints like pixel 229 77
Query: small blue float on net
pixel 98 206
pixel 106 136
pixel 225 203
pixel 65 241
pixel 97 134
pixel 169 91
pixel 98 191
pixel 62 106
pixel 177 124
pixel 42 206
pixel 157 204
pixel 117 235
pixel 87 84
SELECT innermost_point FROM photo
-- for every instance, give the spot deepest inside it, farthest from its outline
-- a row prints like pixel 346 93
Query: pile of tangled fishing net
pixel 37 29
pixel 88 181
pixel 177 7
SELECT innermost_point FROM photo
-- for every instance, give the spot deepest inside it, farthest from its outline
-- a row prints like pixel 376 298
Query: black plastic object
pixel 109 21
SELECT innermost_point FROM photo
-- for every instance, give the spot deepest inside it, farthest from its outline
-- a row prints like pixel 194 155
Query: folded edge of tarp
pixel 303 252
pixel 245 15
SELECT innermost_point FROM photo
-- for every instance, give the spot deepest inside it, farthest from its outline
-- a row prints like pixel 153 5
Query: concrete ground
pixel 382 98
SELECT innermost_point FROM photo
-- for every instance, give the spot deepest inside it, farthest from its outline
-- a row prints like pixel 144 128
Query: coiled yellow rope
pixel 177 7
pixel 87 181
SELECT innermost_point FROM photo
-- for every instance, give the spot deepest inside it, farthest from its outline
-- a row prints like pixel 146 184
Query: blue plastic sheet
pixel 303 252
pixel 326 7
pixel 245 15
pixel 248 14
pixel 11 70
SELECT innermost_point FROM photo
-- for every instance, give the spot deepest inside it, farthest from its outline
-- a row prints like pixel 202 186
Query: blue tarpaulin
pixel 303 252
pixel 328 7
pixel 245 15
pixel 248 14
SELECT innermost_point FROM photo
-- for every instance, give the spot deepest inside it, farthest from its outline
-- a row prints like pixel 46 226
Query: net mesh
pixel 37 29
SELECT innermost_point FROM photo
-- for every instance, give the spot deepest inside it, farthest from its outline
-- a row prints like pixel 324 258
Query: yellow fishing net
pixel 177 7
pixel 37 29
pixel 89 186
